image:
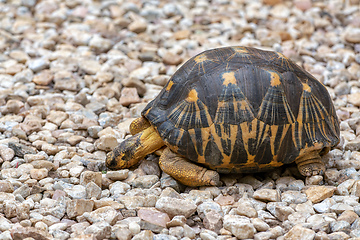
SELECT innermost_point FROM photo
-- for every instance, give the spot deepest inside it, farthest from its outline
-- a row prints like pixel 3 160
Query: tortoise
pixel 233 110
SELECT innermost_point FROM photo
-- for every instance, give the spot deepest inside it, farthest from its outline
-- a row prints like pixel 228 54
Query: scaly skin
pixel 186 172
pixel 139 125
pixel 133 149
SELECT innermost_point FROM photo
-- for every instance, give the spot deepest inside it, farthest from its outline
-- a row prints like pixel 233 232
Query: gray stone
pixel 39 64
pixel 239 226
pixel 76 192
pixel 93 190
pixel 174 206
pixel 299 233
pixel 105 214
pixel 267 195
pixel 117 175
pixel 146 181
pixel 100 230
pixel 337 226
pixel 77 207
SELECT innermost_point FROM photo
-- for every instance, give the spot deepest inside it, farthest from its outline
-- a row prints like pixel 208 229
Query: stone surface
pixel 298 232
pixel 77 207
pixel 174 206
pixel 239 226
pixel 267 195
pixel 318 193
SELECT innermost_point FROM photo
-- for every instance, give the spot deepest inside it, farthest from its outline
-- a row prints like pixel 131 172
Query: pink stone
pixel 153 216
pixel 225 200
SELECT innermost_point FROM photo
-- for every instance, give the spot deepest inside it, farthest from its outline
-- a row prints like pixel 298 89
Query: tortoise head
pixel 124 155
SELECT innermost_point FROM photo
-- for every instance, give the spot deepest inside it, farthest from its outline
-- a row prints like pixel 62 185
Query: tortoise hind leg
pixel 310 164
pixel 186 172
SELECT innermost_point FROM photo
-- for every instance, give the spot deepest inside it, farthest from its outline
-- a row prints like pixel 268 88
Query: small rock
pixel 117 175
pixel 75 139
pixel 299 233
pixel 99 230
pixel 354 99
pixel 146 181
pixel 137 26
pixel 57 117
pixel 89 176
pixel 29 232
pixel 76 192
pixel 129 96
pixel 6 153
pixel 260 225
pixel 21 149
pixel 268 195
pixel 105 214
pixel 154 217
pixel 239 226
pixel 118 188
pixel 100 44
pixel 39 174
pixel 66 84
pixel 337 226
pixel 213 221
pixel 39 64
pixel 44 78
pixel 318 193
pixel 133 202
pixel 93 191
pixel 7 187
pixel 352 35
pixel 90 67
pixel 176 221
pixel 175 206
pixel 246 209
pixel 172 59
pixel 106 143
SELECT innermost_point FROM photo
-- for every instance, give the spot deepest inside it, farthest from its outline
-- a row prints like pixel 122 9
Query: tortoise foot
pixel 186 172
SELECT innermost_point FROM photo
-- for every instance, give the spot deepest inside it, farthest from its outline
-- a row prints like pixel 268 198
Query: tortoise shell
pixel 240 109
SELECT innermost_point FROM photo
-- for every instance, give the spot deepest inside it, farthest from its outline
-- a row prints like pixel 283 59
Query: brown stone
pixel 77 207
pixel 129 96
pixel 317 194
pixel 20 233
pixel 172 59
pixel 44 78
pixel 153 216
pixel 89 176
pixel 213 221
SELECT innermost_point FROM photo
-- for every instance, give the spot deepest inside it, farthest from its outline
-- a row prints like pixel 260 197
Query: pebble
pixel 318 193
pixel 39 174
pixel 117 175
pixel 129 96
pixel 239 226
pixel 146 181
pixel 137 26
pixel 267 195
pixel 39 64
pixel 105 214
pixel 175 206
pixel 77 207
pixel 153 217
pixel 300 233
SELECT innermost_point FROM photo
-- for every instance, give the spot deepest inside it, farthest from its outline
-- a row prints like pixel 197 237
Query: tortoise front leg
pixel 186 172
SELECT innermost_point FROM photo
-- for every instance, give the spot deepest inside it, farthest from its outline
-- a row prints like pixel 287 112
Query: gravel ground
pixel 73 75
